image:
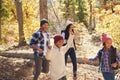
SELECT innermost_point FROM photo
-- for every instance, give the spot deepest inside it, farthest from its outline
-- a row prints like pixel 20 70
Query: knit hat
pixel 68 23
pixel 105 37
pixel 57 38
pixel 43 21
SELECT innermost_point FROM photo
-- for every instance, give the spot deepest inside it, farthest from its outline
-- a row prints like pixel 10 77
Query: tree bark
pixel 73 11
pixel 66 9
pixel 0 30
pixel 43 9
pixel 90 19
pixel 31 56
pixel 19 12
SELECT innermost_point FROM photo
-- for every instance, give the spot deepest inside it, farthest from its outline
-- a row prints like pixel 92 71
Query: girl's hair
pixel 67 31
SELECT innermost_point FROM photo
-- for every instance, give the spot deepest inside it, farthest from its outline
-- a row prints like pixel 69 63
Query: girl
pixel 108 58
pixel 71 52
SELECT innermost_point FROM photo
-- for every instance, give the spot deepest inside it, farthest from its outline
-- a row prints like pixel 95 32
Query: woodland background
pixel 19 19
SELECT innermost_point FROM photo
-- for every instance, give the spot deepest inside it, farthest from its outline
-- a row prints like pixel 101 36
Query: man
pixel 39 43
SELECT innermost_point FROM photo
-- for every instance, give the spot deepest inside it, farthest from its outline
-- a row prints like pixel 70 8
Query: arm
pixel 49 45
pixel 94 59
pixel 90 59
pixel 63 35
pixel 69 41
pixel 117 58
pixel 34 43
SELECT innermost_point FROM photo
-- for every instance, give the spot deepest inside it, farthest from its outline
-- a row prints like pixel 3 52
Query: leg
pixel 45 66
pixel 108 76
pixel 74 62
pixel 66 56
pixel 38 66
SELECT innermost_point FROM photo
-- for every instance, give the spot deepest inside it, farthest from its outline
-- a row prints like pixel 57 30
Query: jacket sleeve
pixel 94 59
pixel 63 35
pixel 48 41
pixel 118 56
pixel 34 39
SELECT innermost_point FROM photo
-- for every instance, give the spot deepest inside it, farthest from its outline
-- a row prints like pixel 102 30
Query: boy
pixel 39 43
pixel 57 61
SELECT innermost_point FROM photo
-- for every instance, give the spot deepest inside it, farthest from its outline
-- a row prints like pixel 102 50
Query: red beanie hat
pixel 57 38
pixel 106 37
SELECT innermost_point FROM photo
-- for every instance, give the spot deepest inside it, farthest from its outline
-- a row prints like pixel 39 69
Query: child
pixel 71 52
pixel 108 58
pixel 57 61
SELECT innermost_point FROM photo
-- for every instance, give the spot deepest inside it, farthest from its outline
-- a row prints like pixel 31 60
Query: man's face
pixel 44 27
pixel 59 43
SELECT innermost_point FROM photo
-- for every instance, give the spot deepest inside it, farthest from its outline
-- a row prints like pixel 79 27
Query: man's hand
pixel 40 51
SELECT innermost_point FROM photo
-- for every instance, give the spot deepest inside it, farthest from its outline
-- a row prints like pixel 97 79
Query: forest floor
pixel 22 69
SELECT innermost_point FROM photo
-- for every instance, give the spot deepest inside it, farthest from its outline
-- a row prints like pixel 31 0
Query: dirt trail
pixel 22 69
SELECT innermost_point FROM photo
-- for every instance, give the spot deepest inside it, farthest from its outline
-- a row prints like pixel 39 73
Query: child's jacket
pixel 57 61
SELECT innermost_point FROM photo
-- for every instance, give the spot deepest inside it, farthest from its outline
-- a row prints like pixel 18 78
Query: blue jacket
pixel 38 39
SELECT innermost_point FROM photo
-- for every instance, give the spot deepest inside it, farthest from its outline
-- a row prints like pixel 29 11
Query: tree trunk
pixel 31 56
pixel 94 23
pixel 73 11
pixel 0 30
pixel 43 9
pixel 19 12
pixel 66 9
pixel 90 20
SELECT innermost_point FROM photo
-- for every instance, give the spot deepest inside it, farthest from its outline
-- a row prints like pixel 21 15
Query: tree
pixel 43 9
pixel 66 9
pixel 3 14
pixel 90 19
pixel 70 10
pixel 19 12
pixel 82 12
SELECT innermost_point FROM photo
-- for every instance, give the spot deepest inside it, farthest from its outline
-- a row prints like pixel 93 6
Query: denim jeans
pixel 41 65
pixel 71 53
pixel 108 76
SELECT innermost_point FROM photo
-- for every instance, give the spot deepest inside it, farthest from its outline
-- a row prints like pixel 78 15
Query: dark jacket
pixel 66 38
pixel 111 58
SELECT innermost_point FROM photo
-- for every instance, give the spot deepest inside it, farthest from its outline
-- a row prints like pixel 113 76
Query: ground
pixel 22 69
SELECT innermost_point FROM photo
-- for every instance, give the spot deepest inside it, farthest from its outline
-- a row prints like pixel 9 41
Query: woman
pixel 71 52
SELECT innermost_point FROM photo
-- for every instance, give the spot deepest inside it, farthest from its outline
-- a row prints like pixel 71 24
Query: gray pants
pixel 41 65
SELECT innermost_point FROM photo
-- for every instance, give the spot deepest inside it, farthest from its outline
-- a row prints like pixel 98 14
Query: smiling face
pixel 59 43
pixel 108 43
pixel 71 28
pixel 44 27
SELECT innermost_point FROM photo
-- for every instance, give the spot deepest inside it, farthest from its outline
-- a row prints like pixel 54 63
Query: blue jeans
pixel 41 65
pixel 72 54
pixel 108 76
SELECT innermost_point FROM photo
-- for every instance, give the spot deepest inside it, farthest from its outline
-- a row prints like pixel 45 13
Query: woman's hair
pixel 104 44
pixel 67 31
